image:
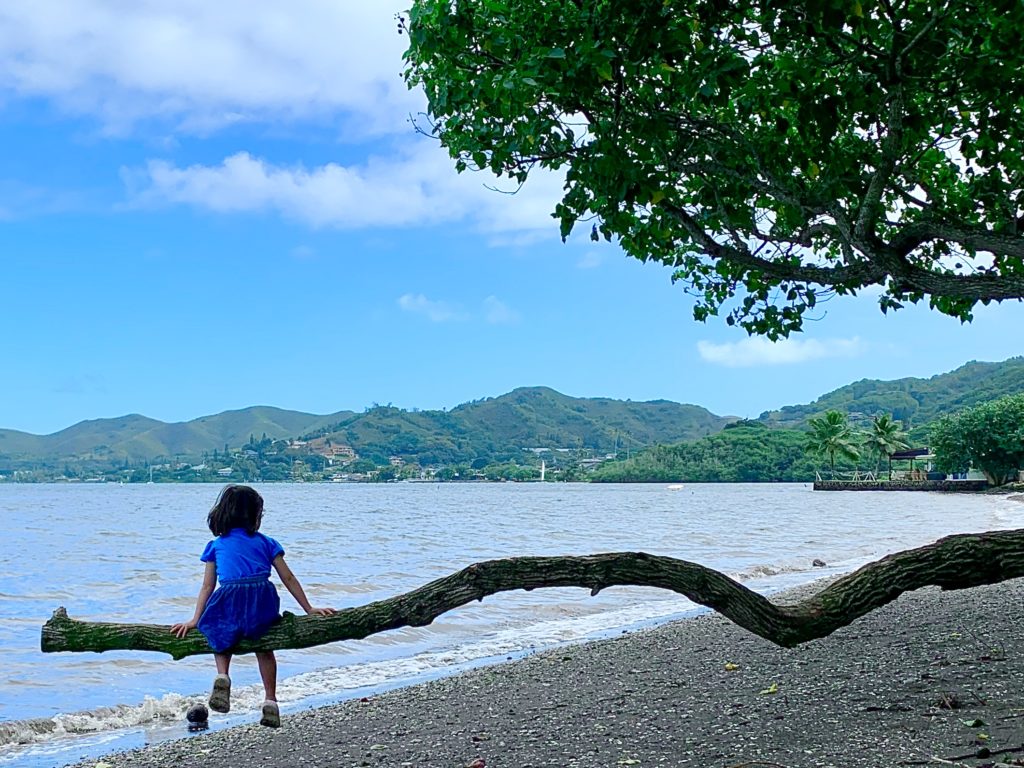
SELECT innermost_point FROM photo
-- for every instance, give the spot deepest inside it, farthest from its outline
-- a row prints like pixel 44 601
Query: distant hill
pixel 914 401
pixel 499 428
pixel 745 452
pixel 502 428
pixel 530 417
pixel 138 438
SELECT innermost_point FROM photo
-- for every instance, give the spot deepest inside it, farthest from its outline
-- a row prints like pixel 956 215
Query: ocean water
pixel 130 554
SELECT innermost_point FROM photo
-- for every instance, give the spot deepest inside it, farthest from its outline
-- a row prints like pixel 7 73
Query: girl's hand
pixel 320 611
pixel 181 629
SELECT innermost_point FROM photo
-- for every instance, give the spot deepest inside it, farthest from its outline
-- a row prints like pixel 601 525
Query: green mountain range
pixel 915 402
pixel 138 438
pixel 501 428
pixel 498 428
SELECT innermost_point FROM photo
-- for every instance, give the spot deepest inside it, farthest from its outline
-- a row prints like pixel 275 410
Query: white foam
pixel 172 706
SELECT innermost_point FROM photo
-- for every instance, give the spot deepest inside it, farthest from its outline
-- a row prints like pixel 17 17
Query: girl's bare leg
pixel 268 671
pixel 220 696
pixel 223 662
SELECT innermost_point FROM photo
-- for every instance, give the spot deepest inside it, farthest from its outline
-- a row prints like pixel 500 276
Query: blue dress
pixel 246 604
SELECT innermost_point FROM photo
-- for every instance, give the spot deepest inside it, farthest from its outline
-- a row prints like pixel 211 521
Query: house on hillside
pixel 323 446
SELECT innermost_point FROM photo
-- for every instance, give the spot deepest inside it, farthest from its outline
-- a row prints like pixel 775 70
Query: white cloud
pixel 416 185
pixel 196 66
pixel 435 311
pixel 203 64
pixel 498 312
pixel 756 351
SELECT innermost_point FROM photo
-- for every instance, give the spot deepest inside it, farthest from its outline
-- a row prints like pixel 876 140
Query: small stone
pixel 198 717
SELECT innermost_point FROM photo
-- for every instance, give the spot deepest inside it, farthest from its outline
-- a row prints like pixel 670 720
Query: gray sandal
pixel 220 696
pixel 271 714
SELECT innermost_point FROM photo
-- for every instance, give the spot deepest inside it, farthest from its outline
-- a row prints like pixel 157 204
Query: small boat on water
pixel 674 487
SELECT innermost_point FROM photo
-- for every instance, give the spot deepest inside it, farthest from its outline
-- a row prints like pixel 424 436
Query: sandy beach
pixel 934 676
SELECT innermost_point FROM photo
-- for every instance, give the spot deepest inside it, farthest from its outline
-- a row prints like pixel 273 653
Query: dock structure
pixel 901 485
pixel 922 475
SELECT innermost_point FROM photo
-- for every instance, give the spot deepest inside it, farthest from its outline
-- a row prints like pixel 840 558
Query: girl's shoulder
pixel 272 545
pixel 210 552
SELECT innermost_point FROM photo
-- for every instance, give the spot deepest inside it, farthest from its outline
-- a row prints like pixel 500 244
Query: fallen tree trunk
pixel 955 562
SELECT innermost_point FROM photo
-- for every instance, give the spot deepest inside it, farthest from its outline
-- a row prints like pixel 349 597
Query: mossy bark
pixel 955 562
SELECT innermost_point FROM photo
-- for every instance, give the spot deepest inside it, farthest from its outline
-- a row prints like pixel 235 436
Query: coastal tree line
pixel 987 437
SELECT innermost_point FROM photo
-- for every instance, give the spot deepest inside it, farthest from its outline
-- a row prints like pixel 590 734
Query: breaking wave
pixel 170 707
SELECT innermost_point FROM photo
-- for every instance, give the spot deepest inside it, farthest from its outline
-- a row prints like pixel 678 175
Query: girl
pixel 246 603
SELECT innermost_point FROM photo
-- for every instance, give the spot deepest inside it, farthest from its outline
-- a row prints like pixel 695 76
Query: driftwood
pixel 954 562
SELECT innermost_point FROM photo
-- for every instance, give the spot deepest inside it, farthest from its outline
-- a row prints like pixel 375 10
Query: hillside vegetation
pixel 136 438
pixel 746 452
pixel 496 429
pixel 656 440
pixel 501 428
pixel 915 402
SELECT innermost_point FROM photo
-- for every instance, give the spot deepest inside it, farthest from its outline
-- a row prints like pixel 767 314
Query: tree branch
pixel 855 275
pixel 884 260
pixel 955 562
pixel 871 204
pixel 977 238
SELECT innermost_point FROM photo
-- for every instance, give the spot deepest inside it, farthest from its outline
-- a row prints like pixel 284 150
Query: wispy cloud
pixel 435 311
pixel 589 260
pixel 416 185
pixel 498 312
pixel 756 351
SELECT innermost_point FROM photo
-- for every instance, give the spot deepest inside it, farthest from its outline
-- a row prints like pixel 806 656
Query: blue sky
pixel 206 206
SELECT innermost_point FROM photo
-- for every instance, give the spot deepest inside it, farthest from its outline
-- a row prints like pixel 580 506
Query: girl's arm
pixel 291 582
pixel 209 582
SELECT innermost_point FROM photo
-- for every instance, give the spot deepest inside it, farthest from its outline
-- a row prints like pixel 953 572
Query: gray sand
pixel 900 686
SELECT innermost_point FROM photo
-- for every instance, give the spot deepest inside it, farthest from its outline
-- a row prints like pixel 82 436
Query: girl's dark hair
pixel 238 506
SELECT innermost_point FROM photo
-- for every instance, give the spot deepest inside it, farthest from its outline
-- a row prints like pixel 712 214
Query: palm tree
pixel 885 438
pixel 831 435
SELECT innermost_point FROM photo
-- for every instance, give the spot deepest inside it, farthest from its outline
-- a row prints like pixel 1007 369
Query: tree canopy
pixel 771 153
pixel 885 437
pixel 831 435
pixel 989 437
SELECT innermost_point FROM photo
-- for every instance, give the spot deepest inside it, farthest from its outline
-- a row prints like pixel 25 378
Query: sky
pixel 208 206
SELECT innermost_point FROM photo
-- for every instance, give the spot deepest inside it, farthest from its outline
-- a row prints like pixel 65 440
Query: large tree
pixel 989 437
pixel 770 152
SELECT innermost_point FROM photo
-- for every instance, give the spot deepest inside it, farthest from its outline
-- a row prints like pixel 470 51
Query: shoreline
pixel 902 685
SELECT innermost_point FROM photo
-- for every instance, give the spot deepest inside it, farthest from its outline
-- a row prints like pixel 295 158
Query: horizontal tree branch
pixel 973 237
pixel 955 562
pixel 880 262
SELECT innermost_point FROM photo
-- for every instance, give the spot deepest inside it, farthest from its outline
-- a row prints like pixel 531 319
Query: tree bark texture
pixel 954 562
